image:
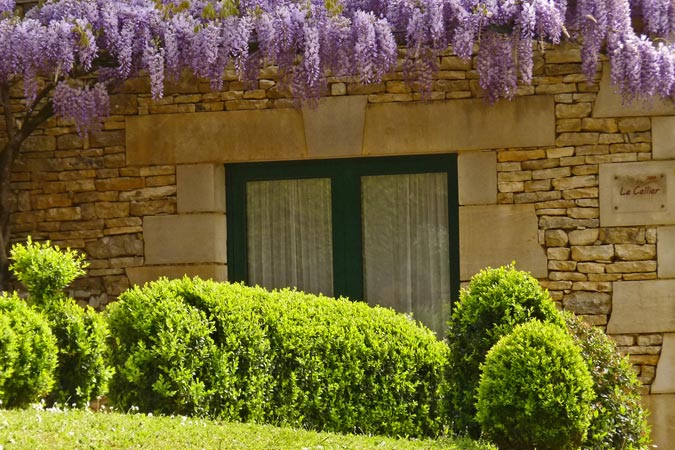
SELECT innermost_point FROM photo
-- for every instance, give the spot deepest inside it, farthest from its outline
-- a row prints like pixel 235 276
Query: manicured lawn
pixel 34 429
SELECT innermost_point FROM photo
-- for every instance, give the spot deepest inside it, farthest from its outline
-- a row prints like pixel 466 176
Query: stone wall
pixel 144 196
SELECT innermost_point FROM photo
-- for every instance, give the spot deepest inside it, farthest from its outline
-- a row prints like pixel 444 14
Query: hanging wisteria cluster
pixel 61 40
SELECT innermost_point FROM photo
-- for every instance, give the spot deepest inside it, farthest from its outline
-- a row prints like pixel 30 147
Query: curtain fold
pixel 290 234
pixel 405 245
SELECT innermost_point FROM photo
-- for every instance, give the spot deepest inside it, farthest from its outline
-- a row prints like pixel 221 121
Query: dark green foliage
pixel 242 353
pixel 535 390
pixel 82 374
pixel 27 353
pixel 618 419
pixel 495 301
pixel 45 270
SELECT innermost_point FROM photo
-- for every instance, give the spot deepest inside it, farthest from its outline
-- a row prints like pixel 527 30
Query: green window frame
pixel 345 178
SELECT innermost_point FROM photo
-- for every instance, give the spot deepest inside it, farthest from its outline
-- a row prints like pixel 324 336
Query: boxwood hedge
pixel 242 353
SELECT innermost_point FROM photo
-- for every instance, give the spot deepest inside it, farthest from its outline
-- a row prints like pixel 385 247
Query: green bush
pixel 242 353
pixel 45 270
pixel 82 373
pixel 535 390
pixel 618 420
pixel 495 301
pixel 27 353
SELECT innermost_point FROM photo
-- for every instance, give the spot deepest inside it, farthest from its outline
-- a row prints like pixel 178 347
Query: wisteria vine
pixel 308 40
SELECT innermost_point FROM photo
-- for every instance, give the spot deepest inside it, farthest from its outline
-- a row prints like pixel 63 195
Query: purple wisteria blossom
pixel 310 40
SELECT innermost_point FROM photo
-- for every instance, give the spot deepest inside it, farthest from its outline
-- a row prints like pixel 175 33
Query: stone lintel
pixel 497 235
pixel 185 239
pixel 642 307
pixel 232 136
pixel 334 128
pixel 339 127
pixel 200 188
pixel 477 175
pixel 664 383
pixel 610 104
pixel 449 126
pixel 141 275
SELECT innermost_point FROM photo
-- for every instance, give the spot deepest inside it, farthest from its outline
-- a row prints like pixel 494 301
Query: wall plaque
pixel 637 193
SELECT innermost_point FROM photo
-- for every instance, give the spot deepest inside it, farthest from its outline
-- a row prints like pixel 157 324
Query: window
pixel 384 230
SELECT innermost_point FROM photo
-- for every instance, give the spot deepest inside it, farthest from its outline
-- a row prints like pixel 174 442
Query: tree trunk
pixel 6 159
pixel 16 133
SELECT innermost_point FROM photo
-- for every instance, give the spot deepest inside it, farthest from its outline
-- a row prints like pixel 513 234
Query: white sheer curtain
pixel 290 234
pixel 405 245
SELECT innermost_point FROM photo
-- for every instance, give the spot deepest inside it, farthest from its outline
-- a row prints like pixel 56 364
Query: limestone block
pixel 622 235
pixel 634 252
pixel 114 246
pixel 643 307
pixel 145 274
pixel 477 178
pixel 471 124
pixel 334 128
pixel 264 135
pixel 592 253
pixel 556 238
pixel 610 104
pixel 584 237
pixel 664 383
pixel 662 419
pixel 637 193
pixel 181 239
pixel 517 239
pixel 200 188
pixel 663 137
pixel 666 252
pixel 582 302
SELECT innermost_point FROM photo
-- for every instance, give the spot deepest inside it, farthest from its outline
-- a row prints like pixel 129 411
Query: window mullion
pixel 347 239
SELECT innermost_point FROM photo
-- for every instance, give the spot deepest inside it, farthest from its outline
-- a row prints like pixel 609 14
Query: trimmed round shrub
pixel 81 333
pixel 83 373
pixel 618 419
pixel 27 353
pixel 283 357
pixel 495 301
pixel 535 390
pixel 45 270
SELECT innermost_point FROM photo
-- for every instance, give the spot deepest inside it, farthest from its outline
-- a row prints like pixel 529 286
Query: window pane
pixel 405 245
pixel 289 234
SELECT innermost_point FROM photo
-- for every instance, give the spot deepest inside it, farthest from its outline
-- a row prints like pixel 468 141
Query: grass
pixel 36 428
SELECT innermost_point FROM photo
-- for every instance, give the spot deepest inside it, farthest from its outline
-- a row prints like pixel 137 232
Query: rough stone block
pixel 200 188
pixel 583 237
pixel 184 239
pixel 582 302
pixel 115 246
pixel 517 239
pixel 477 178
pixel 556 238
pixel 634 252
pixel 593 253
